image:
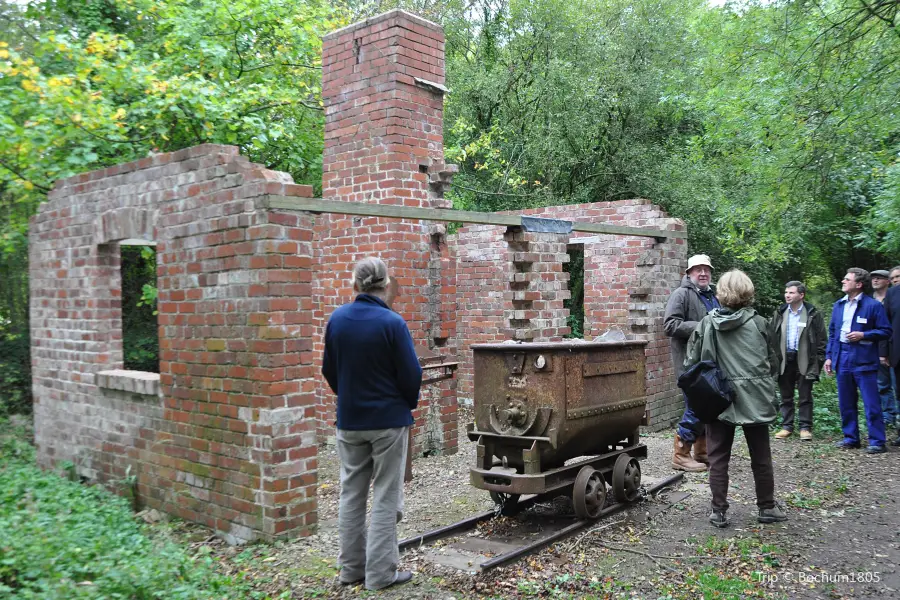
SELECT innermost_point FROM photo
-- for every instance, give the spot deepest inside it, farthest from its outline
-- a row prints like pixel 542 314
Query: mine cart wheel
pixel 626 479
pixel 508 503
pixel 589 493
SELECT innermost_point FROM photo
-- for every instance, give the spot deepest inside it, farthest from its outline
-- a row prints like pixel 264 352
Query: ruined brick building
pixel 227 433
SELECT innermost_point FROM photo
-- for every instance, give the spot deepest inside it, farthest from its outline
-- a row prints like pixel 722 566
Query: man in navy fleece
pixel 371 364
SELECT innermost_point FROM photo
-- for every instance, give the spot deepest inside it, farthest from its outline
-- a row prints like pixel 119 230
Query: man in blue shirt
pixel 371 364
pixel 798 332
pixel 858 323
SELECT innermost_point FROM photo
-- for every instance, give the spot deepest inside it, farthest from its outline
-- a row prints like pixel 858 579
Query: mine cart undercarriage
pixel 585 479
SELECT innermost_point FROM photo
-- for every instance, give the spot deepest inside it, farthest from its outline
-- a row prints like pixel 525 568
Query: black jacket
pixel 892 306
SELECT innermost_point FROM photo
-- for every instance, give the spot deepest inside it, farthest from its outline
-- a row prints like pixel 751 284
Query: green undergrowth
pixel 826 414
pixel 62 540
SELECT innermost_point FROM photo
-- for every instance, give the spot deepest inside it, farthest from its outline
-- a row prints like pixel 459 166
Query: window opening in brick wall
pixel 575 303
pixel 140 332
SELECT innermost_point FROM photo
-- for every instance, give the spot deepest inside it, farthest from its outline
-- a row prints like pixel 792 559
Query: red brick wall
pixel 384 145
pixel 225 436
pixel 627 282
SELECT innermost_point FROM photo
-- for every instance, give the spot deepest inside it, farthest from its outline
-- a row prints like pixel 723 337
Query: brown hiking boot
pixel 681 459
pixel 784 433
pixel 700 450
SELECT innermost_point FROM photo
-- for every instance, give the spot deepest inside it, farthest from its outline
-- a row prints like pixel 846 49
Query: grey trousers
pixel 378 457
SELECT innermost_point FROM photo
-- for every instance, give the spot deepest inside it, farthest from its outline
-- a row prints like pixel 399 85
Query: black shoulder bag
pixel 706 387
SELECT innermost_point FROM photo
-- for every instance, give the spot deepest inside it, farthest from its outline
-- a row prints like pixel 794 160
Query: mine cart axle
pixel 556 481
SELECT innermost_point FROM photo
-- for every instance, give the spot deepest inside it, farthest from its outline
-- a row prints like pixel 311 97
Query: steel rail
pixel 502 559
pixel 464 525
pixel 567 531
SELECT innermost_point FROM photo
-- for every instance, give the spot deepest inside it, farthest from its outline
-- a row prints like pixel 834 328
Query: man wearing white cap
pixel 685 309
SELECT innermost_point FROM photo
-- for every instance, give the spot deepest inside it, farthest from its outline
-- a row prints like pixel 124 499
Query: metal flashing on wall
pixel 542 225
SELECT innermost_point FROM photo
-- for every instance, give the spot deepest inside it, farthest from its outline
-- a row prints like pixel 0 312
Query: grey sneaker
pixel 718 518
pixel 771 515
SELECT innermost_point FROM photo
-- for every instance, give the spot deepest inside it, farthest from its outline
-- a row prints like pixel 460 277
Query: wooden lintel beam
pixel 395 211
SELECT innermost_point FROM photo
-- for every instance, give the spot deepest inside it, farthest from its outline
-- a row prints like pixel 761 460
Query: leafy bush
pixel 62 540
pixel 575 302
pixel 826 413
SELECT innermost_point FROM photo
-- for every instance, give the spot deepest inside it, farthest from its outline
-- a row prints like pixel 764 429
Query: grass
pixel 62 540
pixel 750 556
pixel 747 548
pixel 572 586
pixel 826 414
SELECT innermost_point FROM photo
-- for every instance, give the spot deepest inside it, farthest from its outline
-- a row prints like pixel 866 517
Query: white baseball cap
pixel 698 259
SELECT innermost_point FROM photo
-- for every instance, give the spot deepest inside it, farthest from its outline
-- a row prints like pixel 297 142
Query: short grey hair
pixel 370 275
pixel 801 289
pixel 859 275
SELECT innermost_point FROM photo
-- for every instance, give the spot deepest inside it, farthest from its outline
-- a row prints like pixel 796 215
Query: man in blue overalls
pixel 858 323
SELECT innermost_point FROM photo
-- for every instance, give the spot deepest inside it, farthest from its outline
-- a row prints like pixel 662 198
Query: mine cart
pixel 559 418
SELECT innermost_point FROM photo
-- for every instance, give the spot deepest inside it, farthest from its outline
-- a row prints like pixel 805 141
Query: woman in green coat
pixel 738 340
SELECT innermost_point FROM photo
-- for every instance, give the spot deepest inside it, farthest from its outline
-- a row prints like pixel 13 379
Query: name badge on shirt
pixel 861 320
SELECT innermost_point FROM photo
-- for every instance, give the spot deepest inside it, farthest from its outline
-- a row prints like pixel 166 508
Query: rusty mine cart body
pixel 559 418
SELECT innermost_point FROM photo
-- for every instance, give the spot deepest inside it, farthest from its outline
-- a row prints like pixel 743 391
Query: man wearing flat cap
pixel 685 309
pixel 880 280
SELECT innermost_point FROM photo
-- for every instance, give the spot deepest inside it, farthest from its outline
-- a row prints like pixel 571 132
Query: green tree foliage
pixel 90 83
pixel 15 369
pixel 558 102
pixel 800 100
pixel 769 127
pixel 140 337
pixel 106 81
pixel 575 303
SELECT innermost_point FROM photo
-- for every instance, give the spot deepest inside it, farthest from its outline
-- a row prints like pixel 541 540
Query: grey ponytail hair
pixel 370 275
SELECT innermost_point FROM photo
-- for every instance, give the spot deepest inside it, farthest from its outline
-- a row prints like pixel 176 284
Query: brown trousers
pixel 719 440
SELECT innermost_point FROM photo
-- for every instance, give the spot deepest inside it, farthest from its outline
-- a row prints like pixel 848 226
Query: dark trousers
pixel 886 392
pixel 897 380
pixel 790 379
pixel 689 427
pixel 719 440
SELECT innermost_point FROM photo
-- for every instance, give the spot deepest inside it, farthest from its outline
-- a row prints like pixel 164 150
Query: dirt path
pixel 842 539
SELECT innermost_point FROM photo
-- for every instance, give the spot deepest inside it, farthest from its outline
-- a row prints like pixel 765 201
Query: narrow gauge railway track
pixel 472 522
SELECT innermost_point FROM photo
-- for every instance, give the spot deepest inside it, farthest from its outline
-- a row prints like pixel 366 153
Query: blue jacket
pixel 869 318
pixel 371 364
